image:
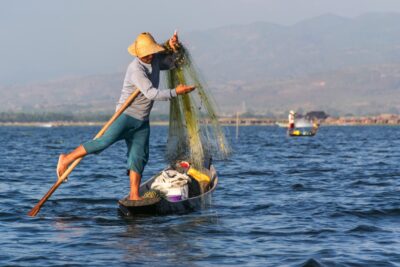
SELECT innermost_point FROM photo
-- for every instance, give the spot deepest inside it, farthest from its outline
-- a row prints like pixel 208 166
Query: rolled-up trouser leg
pixel 112 135
pixel 138 147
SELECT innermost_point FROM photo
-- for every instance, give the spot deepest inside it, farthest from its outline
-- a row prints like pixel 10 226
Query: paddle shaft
pixel 35 210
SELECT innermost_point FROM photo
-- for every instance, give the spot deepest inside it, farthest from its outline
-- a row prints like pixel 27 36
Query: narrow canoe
pixel 196 200
pixel 302 133
pixel 299 133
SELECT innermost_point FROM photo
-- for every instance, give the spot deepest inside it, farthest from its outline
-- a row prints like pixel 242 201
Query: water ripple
pixel 331 200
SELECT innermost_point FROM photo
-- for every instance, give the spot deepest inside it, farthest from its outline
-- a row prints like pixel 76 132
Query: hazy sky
pixel 47 39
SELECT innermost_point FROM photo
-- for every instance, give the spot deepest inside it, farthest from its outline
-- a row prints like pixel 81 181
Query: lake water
pixel 329 200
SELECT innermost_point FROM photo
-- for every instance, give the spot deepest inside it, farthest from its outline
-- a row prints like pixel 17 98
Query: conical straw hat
pixel 144 45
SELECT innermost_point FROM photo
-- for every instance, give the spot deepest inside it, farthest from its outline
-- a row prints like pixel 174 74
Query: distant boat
pixel 46 125
pixel 298 132
pixel 303 123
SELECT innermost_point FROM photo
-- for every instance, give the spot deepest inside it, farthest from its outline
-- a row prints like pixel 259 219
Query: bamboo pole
pixel 237 125
pixel 35 210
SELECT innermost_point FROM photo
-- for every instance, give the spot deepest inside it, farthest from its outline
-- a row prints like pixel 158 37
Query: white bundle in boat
pixel 172 183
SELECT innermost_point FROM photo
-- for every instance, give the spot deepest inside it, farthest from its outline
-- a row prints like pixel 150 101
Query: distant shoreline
pixel 57 120
pixel 61 124
pixel 224 121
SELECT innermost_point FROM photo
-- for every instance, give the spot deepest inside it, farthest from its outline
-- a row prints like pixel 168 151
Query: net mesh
pixel 194 131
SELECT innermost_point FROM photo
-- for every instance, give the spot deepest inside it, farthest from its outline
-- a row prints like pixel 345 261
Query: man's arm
pixel 152 93
pixel 169 56
pixel 146 87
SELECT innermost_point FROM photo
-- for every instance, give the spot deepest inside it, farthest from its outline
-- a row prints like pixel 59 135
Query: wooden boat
pixel 196 200
pixel 299 133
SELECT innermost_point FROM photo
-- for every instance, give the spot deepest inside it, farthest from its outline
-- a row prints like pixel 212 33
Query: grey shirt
pixel 146 77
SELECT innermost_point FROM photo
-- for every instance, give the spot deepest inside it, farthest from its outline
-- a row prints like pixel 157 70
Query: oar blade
pixel 34 211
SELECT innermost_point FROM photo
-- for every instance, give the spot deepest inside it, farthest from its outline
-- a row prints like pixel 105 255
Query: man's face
pixel 147 59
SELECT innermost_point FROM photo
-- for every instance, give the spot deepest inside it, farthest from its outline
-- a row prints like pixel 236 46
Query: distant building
pixel 316 115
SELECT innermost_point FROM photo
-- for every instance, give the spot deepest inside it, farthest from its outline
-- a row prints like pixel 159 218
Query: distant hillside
pixel 76 94
pixel 362 90
pixel 326 43
pixel 329 63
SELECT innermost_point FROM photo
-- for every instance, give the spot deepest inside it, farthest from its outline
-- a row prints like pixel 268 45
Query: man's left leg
pixel 138 155
pixel 134 178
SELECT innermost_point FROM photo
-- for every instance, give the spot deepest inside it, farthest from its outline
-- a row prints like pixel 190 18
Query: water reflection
pixel 176 239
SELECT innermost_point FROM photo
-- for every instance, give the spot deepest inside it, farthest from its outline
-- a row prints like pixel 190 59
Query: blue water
pixel 330 200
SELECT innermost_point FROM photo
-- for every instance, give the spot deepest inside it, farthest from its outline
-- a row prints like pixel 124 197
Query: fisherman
pixel 291 118
pixel 315 127
pixel 133 125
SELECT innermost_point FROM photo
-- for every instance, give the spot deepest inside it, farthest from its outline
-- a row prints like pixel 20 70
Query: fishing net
pixel 194 131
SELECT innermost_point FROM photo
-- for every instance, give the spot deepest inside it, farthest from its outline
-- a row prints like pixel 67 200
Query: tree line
pixel 67 117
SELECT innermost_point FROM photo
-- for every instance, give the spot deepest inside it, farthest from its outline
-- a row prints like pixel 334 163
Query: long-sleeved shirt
pixel 291 118
pixel 146 77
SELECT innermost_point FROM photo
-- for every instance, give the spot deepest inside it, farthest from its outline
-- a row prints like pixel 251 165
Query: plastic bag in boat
pixel 173 184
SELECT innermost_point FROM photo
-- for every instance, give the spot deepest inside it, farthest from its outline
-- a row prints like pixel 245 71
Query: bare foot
pixel 61 166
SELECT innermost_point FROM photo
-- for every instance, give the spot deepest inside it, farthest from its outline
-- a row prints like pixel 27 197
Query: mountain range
pixel 331 63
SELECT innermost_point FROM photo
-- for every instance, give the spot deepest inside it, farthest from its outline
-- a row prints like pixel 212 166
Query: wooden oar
pixel 129 101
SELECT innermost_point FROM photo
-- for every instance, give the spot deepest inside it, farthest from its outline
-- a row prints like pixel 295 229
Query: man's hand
pixel 174 42
pixel 183 89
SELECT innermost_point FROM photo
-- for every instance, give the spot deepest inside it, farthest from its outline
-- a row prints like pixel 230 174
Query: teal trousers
pixel 136 134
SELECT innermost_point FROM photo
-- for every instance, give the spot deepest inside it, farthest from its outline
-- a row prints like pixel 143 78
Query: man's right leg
pixel 66 159
pixel 112 135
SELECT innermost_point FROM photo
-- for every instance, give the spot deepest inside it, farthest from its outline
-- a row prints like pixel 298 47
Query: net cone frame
pixel 144 45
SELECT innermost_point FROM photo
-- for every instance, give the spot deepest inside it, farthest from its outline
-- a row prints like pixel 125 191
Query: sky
pixel 50 39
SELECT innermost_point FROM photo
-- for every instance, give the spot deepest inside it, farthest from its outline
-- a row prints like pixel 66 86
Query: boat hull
pixel 164 206
pixel 302 133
